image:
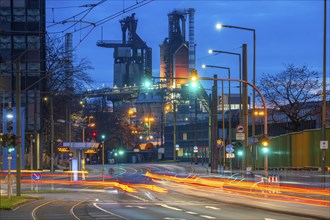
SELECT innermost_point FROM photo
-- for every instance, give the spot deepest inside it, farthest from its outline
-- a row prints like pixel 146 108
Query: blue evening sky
pixel 286 32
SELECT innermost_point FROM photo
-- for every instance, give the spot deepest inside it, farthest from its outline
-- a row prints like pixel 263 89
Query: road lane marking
pixel 211 207
pixel 72 212
pixel 137 197
pixel 35 209
pixel 191 213
pixel 170 207
pixel 111 213
pixel 207 216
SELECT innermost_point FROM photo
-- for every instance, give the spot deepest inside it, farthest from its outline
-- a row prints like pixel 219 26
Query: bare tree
pixel 292 94
pixel 56 63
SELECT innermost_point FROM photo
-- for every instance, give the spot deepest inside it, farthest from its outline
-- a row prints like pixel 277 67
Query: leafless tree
pixel 293 94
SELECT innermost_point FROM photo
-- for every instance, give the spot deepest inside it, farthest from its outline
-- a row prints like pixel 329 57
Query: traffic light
pixel 103 137
pixel 11 142
pixel 94 134
pixel 265 144
pixel 194 78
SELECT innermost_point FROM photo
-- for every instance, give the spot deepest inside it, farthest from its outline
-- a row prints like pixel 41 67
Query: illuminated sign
pixel 90 151
pixel 63 149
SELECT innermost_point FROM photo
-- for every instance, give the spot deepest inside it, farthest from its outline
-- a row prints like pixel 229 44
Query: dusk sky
pixel 286 32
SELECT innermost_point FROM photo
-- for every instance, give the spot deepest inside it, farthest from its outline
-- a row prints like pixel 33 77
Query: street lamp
pixel 223 109
pixel 239 68
pixel 219 26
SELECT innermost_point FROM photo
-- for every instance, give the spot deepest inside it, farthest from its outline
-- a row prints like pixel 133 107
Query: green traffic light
pixel 193 84
pixel 240 153
pixel 10 149
pixel 265 150
pixel 103 136
pixel 121 152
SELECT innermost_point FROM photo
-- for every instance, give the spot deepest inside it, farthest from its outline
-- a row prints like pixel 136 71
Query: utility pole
pixel 174 131
pixel 214 125
pixel 245 121
pixel 18 128
pixel 324 107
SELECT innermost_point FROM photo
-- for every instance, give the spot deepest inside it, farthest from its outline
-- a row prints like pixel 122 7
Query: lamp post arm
pixel 226 52
pixel 219 67
pixel 237 27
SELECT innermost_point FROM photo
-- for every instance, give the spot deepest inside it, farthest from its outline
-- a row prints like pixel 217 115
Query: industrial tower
pixel 177 56
pixel 132 56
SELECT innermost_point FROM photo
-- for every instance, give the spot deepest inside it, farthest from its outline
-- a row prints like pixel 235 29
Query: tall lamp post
pixel 324 94
pixel 220 26
pixel 223 118
pixel 239 68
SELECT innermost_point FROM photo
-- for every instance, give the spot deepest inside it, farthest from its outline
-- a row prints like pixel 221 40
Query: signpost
pixel 36 177
pixel 230 154
pixel 240 133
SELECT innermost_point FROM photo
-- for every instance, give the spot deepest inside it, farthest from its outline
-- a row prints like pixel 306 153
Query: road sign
pixel 230 155
pixel 229 148
pixel 240 129
pixel 195 149
pixel 240 136
pixel 36 176
pixel 323 145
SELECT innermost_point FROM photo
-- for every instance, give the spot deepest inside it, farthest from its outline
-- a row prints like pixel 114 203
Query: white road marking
pixel 191 213
pixel 270 219
pixel 169 218
pixel 211 207
pixel 170 207
pixel 137 197
pixel 35 209
pixel 111 213
pixel 71 210
pixel 207 216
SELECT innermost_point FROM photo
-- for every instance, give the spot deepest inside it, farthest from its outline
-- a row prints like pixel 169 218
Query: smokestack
pixel 191 12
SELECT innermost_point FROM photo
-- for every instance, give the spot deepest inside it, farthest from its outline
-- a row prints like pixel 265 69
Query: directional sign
pixel 36 176
pixel 229 148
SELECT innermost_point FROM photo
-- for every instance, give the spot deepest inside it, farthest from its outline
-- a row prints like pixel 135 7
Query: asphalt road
pixel 180 201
